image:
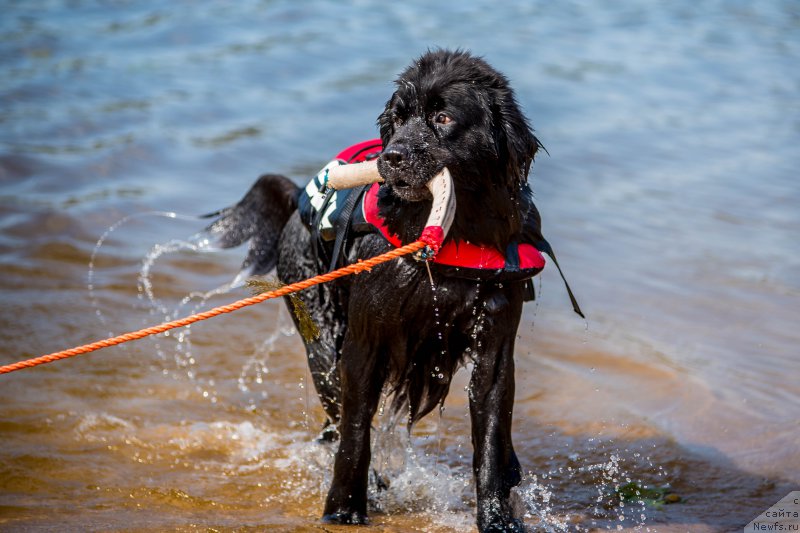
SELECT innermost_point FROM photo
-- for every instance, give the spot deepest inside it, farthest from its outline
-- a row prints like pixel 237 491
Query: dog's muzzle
pixel 443 209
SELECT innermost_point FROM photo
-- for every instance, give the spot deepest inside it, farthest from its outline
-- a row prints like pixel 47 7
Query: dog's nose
pixel 394 155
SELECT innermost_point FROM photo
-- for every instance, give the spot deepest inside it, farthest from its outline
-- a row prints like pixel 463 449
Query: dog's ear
pixel 517 145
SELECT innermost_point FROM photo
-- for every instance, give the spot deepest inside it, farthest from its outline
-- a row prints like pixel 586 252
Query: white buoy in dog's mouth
pixel 354 175
pixel 443 210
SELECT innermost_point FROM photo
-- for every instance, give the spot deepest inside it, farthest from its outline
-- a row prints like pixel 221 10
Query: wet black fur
pixel 383 330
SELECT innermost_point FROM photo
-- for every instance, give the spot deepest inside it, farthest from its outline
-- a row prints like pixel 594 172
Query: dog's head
pixel 453 109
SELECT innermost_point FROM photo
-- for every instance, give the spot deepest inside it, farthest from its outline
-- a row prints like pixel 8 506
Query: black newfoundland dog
pixel 389 330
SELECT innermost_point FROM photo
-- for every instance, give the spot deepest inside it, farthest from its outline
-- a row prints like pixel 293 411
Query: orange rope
pixel 355 268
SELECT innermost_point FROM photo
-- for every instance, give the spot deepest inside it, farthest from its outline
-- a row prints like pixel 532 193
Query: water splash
pixel 90 277
pixel 606 476
pixel 479 315
pixel 181 349
pixel 405 476
pixel 176 346
pixel 251 381
pixel 416 481
pixel 537 302
pixel 223 445
pixel 145 283
pixel 440 328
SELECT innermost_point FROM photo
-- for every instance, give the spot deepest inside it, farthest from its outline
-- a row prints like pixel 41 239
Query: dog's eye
pixel 398 121
pixel 442 118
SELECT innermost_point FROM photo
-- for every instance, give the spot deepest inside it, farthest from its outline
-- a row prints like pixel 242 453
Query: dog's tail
pixel 259 217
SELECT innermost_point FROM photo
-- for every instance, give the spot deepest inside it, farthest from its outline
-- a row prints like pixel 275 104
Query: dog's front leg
pixel 362 381
pixel 491 402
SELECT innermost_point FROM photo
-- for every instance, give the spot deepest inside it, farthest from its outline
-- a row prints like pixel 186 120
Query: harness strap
pixel 315 224
pixel 343 223
pixel 512 257
pixel 512 265
pixel 545 247
pixel 529 294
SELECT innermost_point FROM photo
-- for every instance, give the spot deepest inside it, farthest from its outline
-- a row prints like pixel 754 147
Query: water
pixel 670 195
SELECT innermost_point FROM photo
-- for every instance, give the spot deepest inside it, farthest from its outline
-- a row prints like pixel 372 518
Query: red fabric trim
pixel 360 151
pixel 370 205
pixel 458 254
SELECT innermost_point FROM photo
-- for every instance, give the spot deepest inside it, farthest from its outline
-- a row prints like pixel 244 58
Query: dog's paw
pixel 509 525
pixel 353 518
pixel 329 434
pixel 502 515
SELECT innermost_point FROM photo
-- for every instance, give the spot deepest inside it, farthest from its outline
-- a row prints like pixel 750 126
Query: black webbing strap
pixel 315 236
pixel 343 222
pixel 544 246
pixel 512 257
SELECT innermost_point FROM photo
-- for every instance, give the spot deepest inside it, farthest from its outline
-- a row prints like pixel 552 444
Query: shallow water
pixel 670 195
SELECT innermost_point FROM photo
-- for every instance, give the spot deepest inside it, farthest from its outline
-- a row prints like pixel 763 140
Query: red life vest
pixel 330 218
pixel 458 254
